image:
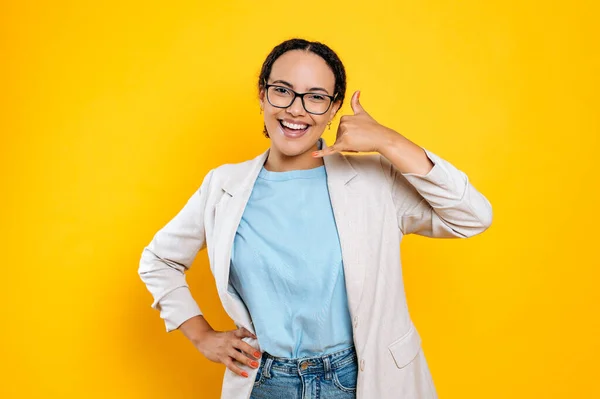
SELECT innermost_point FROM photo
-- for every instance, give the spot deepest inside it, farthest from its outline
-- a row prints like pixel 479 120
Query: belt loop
pixel 267 367
pixel 327 364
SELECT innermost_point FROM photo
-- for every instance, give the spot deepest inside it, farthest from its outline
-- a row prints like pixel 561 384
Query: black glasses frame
pixel 301 95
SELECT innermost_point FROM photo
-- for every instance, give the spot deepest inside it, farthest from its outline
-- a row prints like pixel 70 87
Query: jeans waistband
pixel 305 365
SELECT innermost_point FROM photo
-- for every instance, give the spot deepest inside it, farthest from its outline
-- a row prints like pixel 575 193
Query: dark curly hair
pixel 320 49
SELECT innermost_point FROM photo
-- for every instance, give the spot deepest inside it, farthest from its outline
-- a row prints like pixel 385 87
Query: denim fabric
pixel 331 376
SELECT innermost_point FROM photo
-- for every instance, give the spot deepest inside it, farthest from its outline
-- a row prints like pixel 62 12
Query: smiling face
pixel 292 130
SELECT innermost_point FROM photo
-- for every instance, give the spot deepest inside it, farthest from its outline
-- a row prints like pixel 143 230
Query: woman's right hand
pixel 228 348
pixel 224 347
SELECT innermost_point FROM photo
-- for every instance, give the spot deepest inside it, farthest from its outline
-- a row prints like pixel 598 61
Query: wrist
pixel 196 329
pixel 389 141
pixel 200 336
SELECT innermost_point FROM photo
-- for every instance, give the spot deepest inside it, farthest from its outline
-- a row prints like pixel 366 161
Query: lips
pixel 293 133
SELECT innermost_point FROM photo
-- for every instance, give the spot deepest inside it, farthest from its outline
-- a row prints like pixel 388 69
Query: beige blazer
pixel 374 206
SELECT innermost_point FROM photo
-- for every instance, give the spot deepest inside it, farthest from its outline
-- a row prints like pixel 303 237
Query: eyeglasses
pixel 313 103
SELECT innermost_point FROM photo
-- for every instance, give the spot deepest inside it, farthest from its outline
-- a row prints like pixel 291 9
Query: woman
pixel 303 243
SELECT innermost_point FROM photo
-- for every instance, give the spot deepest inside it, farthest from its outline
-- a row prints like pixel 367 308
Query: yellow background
pixel 112 112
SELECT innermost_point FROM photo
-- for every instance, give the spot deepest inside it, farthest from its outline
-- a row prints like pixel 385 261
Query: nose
pixel 296 107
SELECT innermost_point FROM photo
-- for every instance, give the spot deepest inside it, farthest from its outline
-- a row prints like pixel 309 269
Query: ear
pixel 335 108
pixel 261 98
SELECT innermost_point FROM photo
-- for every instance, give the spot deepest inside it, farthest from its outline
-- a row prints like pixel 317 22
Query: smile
pixel 293 130
pixel 293 126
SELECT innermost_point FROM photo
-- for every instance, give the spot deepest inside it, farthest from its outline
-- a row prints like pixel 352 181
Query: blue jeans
pixel 331 376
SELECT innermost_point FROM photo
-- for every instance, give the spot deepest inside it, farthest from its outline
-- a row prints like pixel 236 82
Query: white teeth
pixel 294 126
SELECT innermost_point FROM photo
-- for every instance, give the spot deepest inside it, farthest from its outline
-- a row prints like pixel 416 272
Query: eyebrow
pixel 291 86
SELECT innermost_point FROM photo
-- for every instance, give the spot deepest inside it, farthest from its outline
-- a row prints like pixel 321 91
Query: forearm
pixel 195 327
pixel 452 206
pixel 405 155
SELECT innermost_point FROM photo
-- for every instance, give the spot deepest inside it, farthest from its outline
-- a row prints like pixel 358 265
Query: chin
pixel 292 148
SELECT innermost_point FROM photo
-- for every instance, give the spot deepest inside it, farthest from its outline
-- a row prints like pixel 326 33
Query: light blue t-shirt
pixel 286 264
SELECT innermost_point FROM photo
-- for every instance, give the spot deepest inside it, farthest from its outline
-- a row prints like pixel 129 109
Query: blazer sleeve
pixel 441 204
pixel 169 254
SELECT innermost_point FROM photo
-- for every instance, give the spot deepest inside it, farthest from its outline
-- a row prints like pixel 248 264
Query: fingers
pixel 246 347
pixel 243 345
pixel 230 349
pixel 326 151
pixel 242 358
pixel 355 103
pixel 240 352
pixel 230 364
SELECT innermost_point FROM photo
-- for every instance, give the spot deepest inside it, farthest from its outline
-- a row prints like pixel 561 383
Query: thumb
pixel 244 332
pixel 355 103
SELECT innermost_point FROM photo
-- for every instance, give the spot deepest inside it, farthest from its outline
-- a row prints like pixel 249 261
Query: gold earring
pixel 261 111
pixel 329 124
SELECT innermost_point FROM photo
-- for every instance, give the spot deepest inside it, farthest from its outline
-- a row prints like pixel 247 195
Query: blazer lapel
pixel 348 211
pixel 228 213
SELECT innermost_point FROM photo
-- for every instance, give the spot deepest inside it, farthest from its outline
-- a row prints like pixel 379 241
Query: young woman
pixel 303 243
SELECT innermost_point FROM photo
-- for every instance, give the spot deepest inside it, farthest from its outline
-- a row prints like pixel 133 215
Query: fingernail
pixel 256 354
pixel 254 363
pixel 358 96
pixel 314 154
pixel 245 374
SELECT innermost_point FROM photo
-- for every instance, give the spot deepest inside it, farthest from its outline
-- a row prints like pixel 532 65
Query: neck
pixel 278 162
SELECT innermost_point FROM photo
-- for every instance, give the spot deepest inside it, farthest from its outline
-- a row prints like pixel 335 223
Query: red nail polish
pixel 245 374
pixel 256 354
pixel 254 363
pixel 314 154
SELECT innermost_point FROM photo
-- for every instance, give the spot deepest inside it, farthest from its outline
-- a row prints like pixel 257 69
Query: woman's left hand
pixel 358 132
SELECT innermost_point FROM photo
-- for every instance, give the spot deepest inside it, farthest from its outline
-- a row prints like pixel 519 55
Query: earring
pixel 261 111
pixel 329 124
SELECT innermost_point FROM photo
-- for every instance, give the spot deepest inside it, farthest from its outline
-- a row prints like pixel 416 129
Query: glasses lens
pixel 316 103
pixel 280 96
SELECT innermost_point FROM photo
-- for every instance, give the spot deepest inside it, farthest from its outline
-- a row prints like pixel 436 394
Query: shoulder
pixel 229 169
pixel 231 176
